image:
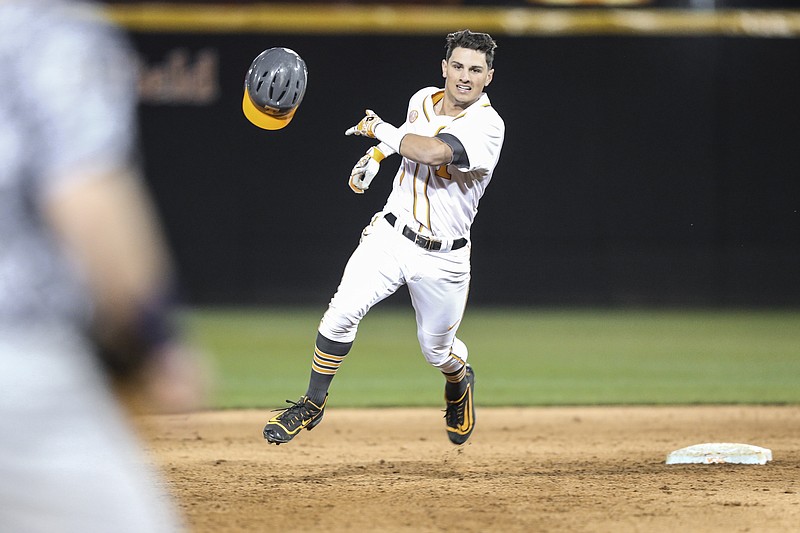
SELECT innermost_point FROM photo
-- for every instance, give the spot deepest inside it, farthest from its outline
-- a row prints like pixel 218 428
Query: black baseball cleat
pixel 460 414
pixel 302 414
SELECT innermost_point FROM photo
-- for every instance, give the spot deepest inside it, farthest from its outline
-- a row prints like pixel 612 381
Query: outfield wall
pixel 648 159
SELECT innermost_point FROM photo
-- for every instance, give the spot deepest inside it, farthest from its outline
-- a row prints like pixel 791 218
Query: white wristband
pixel 385 149
pixel 390 135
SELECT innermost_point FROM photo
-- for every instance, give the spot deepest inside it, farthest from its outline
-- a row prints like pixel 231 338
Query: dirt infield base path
pixel 524 469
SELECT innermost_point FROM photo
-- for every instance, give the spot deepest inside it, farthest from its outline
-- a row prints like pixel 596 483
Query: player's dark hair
pixel 482 42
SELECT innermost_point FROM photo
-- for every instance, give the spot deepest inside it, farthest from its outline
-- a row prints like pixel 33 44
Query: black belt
pixel 421 240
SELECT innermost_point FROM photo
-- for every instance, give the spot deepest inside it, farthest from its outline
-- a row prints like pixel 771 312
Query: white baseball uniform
pixel 438 203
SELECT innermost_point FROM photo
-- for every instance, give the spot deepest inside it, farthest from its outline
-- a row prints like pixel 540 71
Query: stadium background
pixel 650 159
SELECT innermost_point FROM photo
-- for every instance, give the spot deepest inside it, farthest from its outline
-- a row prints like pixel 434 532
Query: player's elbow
pixel 434 159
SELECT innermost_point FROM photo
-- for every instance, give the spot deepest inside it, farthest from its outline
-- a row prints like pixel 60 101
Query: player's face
pixel 466 74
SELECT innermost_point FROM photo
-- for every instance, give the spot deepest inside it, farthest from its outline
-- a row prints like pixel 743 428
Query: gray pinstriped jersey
pixel 68 103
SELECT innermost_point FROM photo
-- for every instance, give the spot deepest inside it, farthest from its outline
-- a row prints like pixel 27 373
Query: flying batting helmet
pixel 274 87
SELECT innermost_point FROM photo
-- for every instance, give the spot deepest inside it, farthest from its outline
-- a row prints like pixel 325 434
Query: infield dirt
pixel 576 469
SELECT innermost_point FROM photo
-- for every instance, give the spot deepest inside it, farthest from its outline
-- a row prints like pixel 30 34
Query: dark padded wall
pixel 658 170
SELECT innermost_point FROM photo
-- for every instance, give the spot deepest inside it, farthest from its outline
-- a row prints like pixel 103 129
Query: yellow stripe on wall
pixel 437 20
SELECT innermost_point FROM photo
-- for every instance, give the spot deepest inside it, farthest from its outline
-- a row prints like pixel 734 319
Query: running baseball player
pixel 450 144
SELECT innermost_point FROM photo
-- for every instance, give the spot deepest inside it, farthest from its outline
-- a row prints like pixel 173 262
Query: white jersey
pixel 443 201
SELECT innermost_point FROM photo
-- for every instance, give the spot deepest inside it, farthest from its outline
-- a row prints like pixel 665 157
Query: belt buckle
pixel 422 241
pixel 426 243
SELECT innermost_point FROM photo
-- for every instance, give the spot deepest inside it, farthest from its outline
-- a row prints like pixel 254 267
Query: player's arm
pixel 90 194
pixel 107 223
pixel 433 151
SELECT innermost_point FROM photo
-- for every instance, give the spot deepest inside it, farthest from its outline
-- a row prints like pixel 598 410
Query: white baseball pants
pixel 438 283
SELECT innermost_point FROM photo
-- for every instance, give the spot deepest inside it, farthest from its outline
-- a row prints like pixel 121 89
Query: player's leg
pixel 372 273
pixel 439 298
pixel 439 295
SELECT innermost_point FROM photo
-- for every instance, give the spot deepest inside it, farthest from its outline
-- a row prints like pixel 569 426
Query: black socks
pixel 328 356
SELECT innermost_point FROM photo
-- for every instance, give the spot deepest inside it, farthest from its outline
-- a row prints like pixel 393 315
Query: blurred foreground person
pixel 85 282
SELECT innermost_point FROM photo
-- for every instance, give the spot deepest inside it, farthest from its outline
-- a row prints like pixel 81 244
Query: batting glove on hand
pixel 365 170
pixel 366 127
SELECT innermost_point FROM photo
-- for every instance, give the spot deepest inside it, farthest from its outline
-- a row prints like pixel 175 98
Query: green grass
pixel 521 357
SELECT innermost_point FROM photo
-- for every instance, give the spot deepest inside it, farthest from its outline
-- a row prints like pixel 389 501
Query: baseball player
pixel 450 144
pixel 82 265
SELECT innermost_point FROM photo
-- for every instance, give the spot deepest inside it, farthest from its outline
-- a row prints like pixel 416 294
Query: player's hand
pixel 366 127
pixel 176 378
pixel 365 170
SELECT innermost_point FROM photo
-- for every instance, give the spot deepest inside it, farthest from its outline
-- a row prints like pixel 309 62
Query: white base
pixel 720 452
